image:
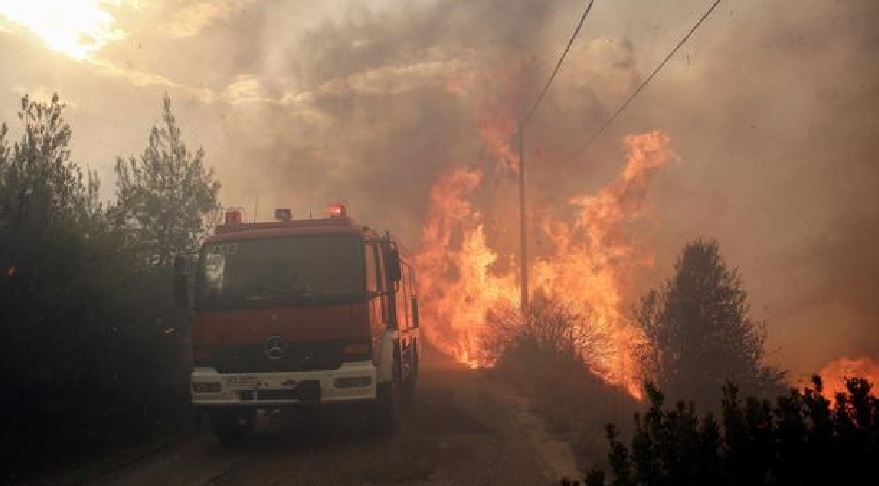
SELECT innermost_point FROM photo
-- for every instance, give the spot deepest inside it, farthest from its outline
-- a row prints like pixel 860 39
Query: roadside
pixel 463 428
pixel 85 466
pixel 570 410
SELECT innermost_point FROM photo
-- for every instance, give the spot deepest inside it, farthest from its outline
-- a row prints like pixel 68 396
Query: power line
pixel 646 81
pixel 523 226
pixel 558 64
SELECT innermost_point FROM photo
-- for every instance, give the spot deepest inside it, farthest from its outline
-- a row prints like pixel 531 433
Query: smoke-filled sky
pixel 771 109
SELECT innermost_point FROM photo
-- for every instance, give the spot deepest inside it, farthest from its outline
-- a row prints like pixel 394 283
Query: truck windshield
pixel 297 269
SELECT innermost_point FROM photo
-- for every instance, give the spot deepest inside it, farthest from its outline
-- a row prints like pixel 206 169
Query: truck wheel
pixel 232 425
pixel 386 413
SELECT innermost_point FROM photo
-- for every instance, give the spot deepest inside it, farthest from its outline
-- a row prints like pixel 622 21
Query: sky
pixel 770 108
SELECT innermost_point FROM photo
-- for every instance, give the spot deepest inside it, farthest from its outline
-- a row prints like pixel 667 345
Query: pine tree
pixel 701 331
pixel 165 194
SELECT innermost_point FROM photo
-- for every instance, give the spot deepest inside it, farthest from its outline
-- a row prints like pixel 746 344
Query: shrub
pixel 545 352
pixel 801 438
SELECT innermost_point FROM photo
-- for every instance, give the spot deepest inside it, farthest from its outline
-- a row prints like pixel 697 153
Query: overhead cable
pixel 644 84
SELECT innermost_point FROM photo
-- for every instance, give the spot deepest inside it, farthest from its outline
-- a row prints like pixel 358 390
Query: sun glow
pixel 77 28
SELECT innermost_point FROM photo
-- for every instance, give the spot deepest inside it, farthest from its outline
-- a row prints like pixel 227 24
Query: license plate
pixel 241 381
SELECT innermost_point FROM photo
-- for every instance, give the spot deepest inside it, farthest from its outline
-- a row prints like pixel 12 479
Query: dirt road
pixel 462 429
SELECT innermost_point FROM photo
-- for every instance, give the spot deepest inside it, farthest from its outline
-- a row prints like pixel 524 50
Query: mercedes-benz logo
pixel 275 347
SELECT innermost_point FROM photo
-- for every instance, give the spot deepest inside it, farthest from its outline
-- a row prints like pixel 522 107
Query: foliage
pixel 85 363
pixel 701 333
pixel 39 184
pixel 801 439
pixel 165 194
pixel 549 332
pixel 544 353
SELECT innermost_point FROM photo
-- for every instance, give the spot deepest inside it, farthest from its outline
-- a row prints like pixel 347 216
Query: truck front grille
pixel 324 355
pixel 305 391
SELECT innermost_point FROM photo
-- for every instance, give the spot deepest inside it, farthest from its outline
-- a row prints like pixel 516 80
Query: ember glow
pixel 589 266
pixel 834 374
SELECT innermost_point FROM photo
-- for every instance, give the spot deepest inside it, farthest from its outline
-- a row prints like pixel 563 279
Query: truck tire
pixel 230 425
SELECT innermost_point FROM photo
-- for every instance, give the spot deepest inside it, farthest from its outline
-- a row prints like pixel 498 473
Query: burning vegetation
pixel 836 374
pixel 587 265
pixel 344 106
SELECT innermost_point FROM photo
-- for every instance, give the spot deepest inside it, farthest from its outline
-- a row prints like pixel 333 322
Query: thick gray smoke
pixel 771 108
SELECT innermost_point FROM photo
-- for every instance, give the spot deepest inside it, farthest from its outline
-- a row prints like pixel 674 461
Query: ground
pixel 462 429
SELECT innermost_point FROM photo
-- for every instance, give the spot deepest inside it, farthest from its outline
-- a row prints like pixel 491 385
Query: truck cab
pixel 301 312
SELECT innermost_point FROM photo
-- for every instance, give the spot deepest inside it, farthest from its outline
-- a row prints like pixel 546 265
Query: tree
pixel 38 182
pixel 79 316
pixel 165 194
pixel 701 332
pixel 40 189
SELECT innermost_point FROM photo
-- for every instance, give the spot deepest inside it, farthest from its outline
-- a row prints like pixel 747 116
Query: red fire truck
pixel 300 312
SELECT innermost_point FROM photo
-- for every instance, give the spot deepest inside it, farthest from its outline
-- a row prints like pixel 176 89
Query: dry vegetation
pixel 540 354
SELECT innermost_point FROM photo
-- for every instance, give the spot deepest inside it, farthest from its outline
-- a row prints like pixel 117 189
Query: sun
pixel 77 28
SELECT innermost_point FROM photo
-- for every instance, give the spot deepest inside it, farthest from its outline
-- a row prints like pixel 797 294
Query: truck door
pixel 378 300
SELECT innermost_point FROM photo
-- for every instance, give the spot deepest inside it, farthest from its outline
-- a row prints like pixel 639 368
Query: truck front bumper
pixel 351 382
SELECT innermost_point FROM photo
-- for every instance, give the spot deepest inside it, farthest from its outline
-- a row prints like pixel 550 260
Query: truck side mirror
pixel 395 270
pixel 181 282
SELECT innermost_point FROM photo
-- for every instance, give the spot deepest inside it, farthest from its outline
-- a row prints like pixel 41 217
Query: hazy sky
pixel 771 108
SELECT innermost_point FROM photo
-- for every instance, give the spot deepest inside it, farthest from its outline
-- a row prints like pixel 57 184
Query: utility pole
pixel 523 238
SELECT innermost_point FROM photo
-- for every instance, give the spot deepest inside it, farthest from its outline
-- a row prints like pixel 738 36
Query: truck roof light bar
pixel 234 216
pixel 338 210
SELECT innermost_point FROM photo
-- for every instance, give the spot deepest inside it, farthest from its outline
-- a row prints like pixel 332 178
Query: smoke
pixel 770 108
pixel 778 150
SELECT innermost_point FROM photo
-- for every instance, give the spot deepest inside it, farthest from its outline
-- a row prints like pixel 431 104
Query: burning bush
pixel 467 277
pixel 549 333
pixel 802 438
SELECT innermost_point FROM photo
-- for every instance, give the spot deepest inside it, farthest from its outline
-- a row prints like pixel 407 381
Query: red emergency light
pixel 338 211
pixel 233 216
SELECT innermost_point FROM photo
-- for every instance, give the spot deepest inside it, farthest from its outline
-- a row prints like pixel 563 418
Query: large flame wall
pixel 589 266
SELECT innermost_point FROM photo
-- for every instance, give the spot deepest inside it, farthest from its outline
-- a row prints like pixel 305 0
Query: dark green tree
pixel 41 190
pixel 701 330
pixel 165 194
pixel 80 320
pixel 39 184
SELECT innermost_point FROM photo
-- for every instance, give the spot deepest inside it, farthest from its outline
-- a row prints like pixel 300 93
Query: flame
pixel 497 127
pixel 596 256
pixel 589 268
pixel 77 28
pixel 455 271
pixel 834 374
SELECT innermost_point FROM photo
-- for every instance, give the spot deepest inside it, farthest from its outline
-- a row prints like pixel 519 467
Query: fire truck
pixel 294 313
